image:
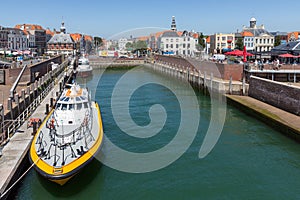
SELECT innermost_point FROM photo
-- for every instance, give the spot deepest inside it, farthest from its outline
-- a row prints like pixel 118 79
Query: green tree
pixel 277 41
pixel 201 41
pixel 239 44
pixel 129 46
pixel 140 44
pixel 98 41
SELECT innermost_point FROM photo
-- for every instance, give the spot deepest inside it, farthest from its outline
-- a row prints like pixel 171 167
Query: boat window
pixel 82 98
pixel 78 99
pixel 79 106
pixel 66 99
pixel 71 107
pixel 64 106
pixel 58 106
pixel 85 104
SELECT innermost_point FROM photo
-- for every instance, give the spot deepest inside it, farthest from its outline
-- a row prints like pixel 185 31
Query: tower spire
pixel 63 28
pixel 173 25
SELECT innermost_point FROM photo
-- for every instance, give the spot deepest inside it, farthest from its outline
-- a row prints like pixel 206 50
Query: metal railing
pixel 9 127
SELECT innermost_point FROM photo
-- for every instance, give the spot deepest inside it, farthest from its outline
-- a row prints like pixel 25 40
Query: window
pixel 58 106
pixel 188 46
pixel 223 38
pixel 71 107
pixel 218 38
pixel 177 46
pixel 188 39
pixel 172 46
pixel 85 105
pixel 171 40
pixel 183 45
pixel 64 106
pixel 79 106
pixel 167 46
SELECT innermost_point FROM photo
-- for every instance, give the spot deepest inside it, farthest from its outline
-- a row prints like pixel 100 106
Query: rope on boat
pixel 2 195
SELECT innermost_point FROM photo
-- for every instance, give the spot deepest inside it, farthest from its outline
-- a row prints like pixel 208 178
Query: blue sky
pixel 109 18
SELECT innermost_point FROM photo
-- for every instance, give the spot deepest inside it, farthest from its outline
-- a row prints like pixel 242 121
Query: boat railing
pixel 77 134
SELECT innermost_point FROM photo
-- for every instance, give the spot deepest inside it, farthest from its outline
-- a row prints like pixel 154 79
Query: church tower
pixel 63 28
pixel 252 22
pixel 173 25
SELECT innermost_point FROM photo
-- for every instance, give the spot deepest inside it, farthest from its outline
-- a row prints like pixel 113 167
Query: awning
pixel 287 55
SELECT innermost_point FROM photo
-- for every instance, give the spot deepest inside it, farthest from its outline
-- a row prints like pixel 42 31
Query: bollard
pixel 60 86
pixel 51 102
pixel 47 109
pixel 34 127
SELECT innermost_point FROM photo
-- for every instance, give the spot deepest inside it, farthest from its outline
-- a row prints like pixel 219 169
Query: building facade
pixel 263 41
pixel 220 42
pixel 61 43
pixel 39 36
pixel 17 40
pixel 175 42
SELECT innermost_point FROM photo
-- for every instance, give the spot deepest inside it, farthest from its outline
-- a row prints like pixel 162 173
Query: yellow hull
pixel 62 174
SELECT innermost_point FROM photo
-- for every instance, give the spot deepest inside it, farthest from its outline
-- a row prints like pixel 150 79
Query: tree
pixel 98 41
pixel 277 41
pixel 201 41
pixel 140 44
pixel 239 44
pixel 129 46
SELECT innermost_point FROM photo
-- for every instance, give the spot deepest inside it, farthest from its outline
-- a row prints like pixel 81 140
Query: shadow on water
pixel 76 184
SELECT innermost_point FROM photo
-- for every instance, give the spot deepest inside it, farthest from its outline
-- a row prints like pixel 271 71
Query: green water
pixel 249 161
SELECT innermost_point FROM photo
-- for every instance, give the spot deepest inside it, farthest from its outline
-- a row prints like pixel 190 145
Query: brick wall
pixel 278 94
pixel 29 75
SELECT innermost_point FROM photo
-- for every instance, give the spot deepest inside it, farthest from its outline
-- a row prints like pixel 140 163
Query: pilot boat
pixel 84 69
pixel 69 137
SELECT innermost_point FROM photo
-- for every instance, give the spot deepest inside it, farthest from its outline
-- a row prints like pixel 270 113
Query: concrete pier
pixel 14 152
pixel 281 120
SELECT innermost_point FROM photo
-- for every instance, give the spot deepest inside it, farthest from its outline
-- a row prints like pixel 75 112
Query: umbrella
pixel 26 52
pixel 287 55
pixel 235 53
pixel 238 53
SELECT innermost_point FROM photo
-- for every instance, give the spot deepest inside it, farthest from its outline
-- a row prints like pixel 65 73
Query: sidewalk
pixel 286 122
pixel 16 149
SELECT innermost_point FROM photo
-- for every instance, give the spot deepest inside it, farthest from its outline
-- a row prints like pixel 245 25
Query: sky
pixel 112 19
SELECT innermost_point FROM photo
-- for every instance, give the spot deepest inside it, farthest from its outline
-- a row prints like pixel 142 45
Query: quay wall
pixel 280 95
pixel 274 117
pixel 207 82
pixel 219 70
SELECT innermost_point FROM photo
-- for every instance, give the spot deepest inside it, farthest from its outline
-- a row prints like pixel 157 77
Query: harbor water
pixel 249 160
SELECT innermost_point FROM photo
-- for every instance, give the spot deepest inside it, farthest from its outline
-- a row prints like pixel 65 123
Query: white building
pixel 262 40
pixel 122 44
pixel 17 40
pixel 177 43
pixel 170 42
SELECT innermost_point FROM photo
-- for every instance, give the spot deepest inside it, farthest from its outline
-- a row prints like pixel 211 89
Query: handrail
pixel 11 126
pixel 12 90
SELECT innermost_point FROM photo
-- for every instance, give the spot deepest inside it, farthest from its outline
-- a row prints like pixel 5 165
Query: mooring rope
pixel 2 195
